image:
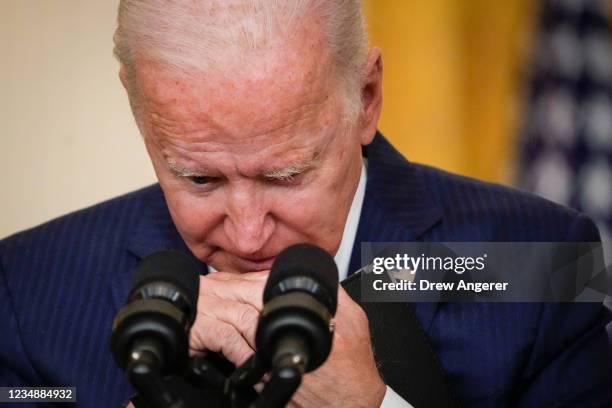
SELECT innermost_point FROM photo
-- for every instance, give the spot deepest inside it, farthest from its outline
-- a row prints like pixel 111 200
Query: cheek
pixel 320 212
pixel 315 213
pixel 193 216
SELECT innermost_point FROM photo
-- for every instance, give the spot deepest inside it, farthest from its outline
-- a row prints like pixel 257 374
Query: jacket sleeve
pixel 571 360
pixel 15 366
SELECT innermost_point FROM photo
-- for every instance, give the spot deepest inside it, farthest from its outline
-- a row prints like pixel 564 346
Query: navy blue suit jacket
pixel 62 283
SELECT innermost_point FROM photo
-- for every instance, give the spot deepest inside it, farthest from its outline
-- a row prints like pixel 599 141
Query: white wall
pixel 67 137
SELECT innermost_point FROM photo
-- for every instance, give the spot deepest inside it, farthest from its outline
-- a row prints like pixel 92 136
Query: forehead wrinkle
pixel 229 126
pixel 186 115
pixel 182 124
pixel 186 130
pixel 206 129
pixel 296 123
pixel 291 118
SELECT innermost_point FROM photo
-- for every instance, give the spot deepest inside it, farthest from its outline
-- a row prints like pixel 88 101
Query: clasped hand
pixel 228 311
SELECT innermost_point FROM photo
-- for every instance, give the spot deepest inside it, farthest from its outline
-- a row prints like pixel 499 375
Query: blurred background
pixel 516 92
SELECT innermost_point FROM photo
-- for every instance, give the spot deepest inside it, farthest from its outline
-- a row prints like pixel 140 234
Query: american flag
pixel 566 141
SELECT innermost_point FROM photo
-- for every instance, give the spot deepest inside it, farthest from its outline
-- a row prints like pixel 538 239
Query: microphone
pixel 150 333
pixel 300 300
pixel 295 331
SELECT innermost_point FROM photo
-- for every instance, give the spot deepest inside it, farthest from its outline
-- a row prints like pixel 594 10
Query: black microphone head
pixel 159 311
pixel 170 266
pixel 305 261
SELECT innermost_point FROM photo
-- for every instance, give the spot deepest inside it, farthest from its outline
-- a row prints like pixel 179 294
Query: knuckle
pixel 234 347
pixel 201 335
pixel 196 339
pixel 243 355
pixel 227 334
pixel 248 317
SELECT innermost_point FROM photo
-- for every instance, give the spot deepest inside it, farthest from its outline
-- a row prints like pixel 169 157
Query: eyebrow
pixel 288 172
pixel 285 173
pixel 182 171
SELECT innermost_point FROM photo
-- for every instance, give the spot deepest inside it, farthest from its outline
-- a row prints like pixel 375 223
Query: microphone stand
pixel 288 367
pixel 143 372
pixel 202 382
pixel 284 381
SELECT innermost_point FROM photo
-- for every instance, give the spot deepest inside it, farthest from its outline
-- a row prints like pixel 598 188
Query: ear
pixel 371 96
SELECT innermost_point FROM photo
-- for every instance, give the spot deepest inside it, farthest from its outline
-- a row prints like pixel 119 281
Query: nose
pixel 248 223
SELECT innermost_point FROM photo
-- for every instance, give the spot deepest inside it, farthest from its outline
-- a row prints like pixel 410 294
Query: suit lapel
pixel 154 231
pixel 397 207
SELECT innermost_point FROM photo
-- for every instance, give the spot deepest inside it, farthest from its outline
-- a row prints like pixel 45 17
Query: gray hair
pixel 188 34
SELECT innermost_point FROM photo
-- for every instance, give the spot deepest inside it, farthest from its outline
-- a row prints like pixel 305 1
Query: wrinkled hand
pixel 228 310
pixel 226 321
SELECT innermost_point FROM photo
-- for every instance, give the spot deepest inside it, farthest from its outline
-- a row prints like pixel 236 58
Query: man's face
pixel 250 164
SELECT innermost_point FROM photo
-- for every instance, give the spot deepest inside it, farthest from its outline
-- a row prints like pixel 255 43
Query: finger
pixel 262 383
pixel 250 276
pixel 196 353
pixel 345 301
pixel 242 316
pixel 350 316
pixel 211 334
pixel 239 290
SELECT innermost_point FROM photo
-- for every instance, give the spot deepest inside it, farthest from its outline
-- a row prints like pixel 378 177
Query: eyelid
pixel 206 179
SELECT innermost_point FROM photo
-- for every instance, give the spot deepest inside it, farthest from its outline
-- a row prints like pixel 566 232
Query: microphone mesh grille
pixel 170 266
pixel 305 260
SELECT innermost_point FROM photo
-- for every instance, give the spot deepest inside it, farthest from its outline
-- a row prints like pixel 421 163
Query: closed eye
pixel 201 179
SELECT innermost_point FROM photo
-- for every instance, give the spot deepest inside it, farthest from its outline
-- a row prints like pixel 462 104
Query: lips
pixel 253 265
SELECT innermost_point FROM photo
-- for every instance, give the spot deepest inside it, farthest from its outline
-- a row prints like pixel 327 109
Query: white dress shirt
pixel 343 258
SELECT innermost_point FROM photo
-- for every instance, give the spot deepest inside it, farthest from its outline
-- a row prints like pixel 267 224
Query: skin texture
pixel 232 130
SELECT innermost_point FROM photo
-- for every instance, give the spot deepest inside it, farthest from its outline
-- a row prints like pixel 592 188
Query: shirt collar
pixel 343 256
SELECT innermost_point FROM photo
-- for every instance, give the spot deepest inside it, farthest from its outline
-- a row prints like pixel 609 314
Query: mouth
pixel 254 265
